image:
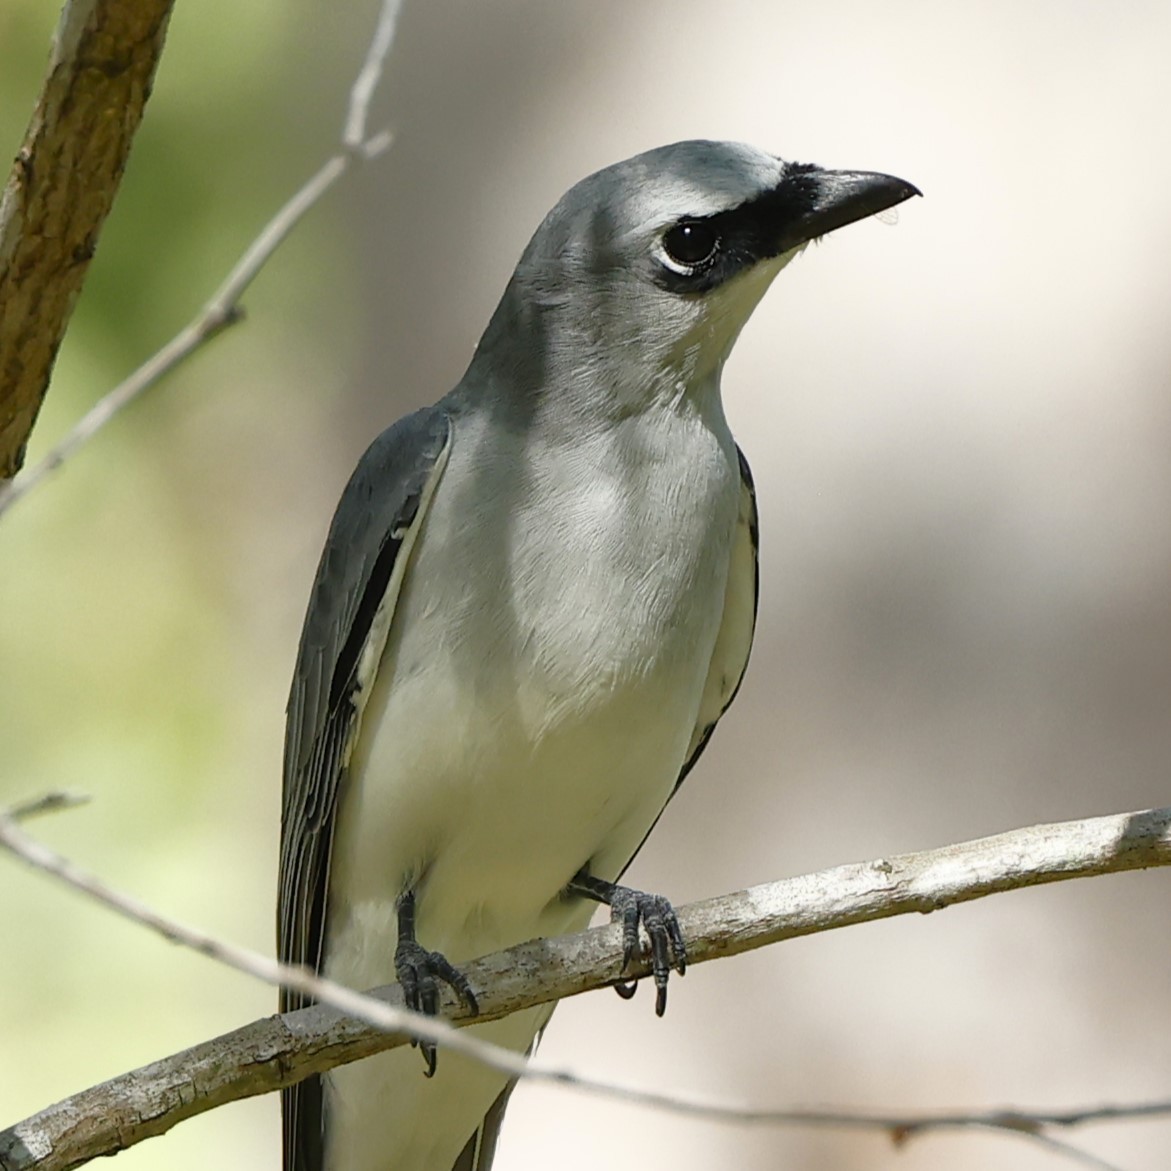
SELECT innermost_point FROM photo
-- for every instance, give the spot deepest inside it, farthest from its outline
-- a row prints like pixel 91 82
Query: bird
pixel 535 601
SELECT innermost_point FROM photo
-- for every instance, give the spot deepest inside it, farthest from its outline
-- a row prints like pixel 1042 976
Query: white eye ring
pixel 689 246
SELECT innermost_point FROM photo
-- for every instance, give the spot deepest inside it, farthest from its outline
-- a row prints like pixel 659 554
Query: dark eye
pixel 691 243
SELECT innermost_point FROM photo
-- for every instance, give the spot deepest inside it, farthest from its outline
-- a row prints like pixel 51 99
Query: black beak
pixel 807 202
pixel 810 202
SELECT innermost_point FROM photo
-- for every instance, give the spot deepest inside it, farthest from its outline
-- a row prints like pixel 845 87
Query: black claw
pixel 420 973
pixel 678 944
pixel 626 907
pixel 630 908
pixel 457 982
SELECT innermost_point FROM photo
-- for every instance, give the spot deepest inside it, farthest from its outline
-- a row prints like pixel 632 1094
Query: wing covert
pixel 346 624
pixel 734 641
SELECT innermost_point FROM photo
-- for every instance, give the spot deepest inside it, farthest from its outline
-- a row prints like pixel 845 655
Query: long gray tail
pixel 480 1150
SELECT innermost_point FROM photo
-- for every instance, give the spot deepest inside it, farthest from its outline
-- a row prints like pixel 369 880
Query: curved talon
pixel 626 991
pixel 630 908
pixel 627 907
pixel 662 928
pixel 420 973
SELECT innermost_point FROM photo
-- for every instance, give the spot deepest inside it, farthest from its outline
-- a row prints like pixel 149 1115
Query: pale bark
pixel 278 1051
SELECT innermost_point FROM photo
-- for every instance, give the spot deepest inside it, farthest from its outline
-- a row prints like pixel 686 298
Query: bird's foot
pixel 420 973
pixel 630 908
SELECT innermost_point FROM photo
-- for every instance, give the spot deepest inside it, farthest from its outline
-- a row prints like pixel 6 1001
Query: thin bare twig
pixel 373 1012
pixel 223 308
pixel 1091 1114
pixel 49 803
pixel 280 1051
pixel 354 134
pixel 1069 1151
pixel 1004 1122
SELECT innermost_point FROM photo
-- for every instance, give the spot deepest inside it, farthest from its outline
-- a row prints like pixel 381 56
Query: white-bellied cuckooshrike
pixel 536 600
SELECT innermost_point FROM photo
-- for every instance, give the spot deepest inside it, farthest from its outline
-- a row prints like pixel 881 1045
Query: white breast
pixel 536 699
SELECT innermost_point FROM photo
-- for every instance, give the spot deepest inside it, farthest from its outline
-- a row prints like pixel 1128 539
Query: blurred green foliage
pixel 123 671
pixel 959 437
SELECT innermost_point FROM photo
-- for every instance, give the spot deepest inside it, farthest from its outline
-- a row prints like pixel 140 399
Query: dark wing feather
pixel 480 1150
pixel 736 643
pixel 377 510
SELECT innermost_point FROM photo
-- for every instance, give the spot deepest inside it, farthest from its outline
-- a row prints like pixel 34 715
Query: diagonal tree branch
pixel 62 187
pixel 279 1051
pixel 223 307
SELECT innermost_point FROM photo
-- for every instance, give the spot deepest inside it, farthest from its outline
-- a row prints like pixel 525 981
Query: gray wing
pixel 357 581
pixel 734 641
pixel 480 1150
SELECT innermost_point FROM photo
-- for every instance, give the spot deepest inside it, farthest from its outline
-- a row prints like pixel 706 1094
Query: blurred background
pixel 960 430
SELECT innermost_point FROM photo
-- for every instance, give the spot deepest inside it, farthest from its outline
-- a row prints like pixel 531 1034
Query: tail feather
pixel 480 1150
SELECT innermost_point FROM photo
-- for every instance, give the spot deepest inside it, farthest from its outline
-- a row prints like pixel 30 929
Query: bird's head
pixel 650 267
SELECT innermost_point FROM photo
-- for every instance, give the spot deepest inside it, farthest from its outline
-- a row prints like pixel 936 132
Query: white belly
pixel 531 713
